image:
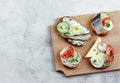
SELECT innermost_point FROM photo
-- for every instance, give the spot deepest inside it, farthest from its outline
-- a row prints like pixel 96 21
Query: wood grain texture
pixel 113 38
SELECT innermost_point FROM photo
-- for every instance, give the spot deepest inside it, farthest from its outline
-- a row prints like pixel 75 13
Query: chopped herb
pixel 72 55
pixel 67 33
pixel 70 19
pixel 76 60
pixel 79 42
pixel 72 60
pixel 61 27
pixel 107 25
pixel 101 44
pixel 76 28
pixel 94 49
pixel 94 60
pixel 96 53
pixel 63 61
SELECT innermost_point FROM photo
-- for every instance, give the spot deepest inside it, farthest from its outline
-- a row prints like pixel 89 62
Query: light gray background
pixel 25 44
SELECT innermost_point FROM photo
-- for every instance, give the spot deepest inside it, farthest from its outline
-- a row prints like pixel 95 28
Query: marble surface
pixel 25 43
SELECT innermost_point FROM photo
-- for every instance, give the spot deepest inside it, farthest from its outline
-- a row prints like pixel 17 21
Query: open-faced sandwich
pixel 101 55
pixel 102 23
pixel 70 57
pixel 73 31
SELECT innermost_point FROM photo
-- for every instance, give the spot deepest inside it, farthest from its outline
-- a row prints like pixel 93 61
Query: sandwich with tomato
pixel 101 55
pixel 70 57
pixel 102 23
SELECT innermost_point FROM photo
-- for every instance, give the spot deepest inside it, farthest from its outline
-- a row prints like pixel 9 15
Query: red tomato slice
pixel 110 53
pixel 68 53
pixel 105 20
pixel 110 50
pixel 64 55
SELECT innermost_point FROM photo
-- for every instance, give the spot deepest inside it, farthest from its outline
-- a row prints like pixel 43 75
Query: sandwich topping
pixel 70 57
pixel 101 54
pixel 102 23
pixel 73 31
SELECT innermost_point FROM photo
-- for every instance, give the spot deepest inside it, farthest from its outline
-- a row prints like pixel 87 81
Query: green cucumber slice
pixel 74 57
pixel 75 54
pixel 63 27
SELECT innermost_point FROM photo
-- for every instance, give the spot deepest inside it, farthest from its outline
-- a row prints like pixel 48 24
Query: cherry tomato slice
pixel 109 53
pixel 110 50
pixel 68 53
pixel 64 55
pixel 105 20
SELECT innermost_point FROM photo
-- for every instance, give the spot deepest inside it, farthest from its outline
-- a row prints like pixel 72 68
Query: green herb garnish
pixel 63 61
pixel 101 44
pixel 70 19
pixel 94 50
pixel 76 60
pixel 107 24
pixel 72 60
pixel 94 61
pixel 67 33
pixel 96 53
pixel 76 28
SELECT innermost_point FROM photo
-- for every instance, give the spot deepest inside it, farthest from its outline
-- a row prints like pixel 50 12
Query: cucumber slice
pixel 69 59
pixel 104 15
pixel 74 57
pixel 63 27
pixel 75 54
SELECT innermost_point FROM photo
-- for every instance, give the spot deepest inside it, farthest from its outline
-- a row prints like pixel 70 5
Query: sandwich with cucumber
pixel 73 31
pixel 70 57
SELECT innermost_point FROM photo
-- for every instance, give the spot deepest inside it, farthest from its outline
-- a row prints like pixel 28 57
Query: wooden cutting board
pixel 113 38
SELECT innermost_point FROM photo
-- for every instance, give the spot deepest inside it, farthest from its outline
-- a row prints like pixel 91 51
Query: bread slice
pixel 81 37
